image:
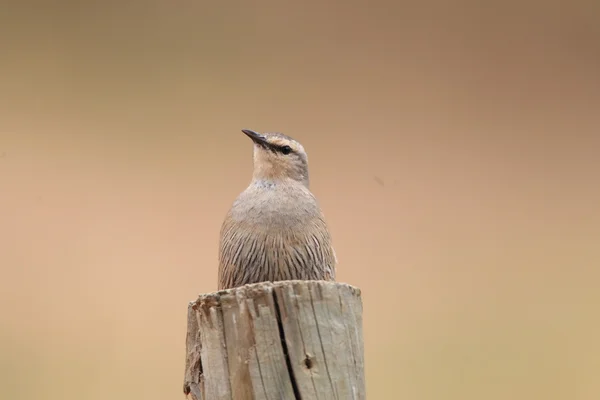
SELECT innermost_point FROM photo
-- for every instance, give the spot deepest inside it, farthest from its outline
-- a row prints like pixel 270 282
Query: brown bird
pixel 275 229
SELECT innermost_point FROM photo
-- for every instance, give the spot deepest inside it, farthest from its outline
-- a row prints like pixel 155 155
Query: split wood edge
pixel 281 340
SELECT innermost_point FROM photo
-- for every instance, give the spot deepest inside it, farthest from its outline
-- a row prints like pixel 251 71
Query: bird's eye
pixel 286 149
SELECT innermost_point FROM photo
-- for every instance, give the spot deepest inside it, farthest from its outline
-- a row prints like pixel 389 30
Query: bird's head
pixel 278 157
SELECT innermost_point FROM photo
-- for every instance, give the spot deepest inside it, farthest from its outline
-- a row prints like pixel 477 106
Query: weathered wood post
pixel 282 340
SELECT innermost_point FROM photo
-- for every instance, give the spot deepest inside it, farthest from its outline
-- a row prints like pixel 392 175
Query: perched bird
pixel 275 229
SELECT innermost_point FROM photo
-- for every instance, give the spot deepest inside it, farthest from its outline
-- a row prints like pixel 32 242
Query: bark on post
pixel 282 340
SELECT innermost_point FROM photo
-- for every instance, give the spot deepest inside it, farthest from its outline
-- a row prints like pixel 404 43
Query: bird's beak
pixel 255 136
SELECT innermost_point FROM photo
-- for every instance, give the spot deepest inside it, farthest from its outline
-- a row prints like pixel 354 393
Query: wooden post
pixel 282 340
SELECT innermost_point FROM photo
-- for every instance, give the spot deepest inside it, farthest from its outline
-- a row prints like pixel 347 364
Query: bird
pixel 275 230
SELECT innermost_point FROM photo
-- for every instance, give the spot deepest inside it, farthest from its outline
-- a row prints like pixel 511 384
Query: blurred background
pixel 453 146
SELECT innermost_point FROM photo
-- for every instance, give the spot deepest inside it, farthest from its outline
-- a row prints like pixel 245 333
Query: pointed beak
pixel 255 136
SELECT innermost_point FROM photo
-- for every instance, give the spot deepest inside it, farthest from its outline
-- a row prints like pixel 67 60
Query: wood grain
pixel 282 340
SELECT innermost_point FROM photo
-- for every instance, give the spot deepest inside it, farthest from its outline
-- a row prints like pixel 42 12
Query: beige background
pixel 454 148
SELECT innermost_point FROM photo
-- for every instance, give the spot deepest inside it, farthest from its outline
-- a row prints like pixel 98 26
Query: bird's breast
pixel 272 207
pixel 273 234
